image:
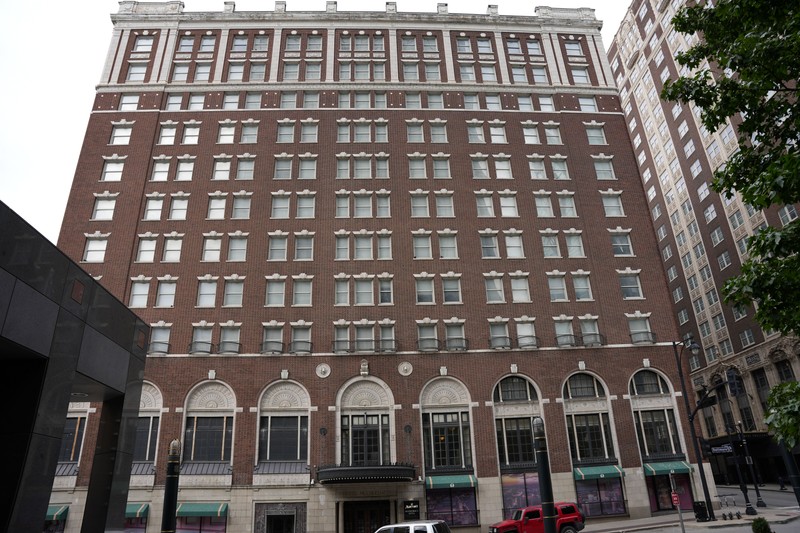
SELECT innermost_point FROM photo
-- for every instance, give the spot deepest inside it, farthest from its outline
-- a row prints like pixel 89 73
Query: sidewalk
pixel 774 516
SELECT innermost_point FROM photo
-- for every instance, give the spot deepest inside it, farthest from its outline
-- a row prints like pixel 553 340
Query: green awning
pixel 57 512
pixel 597 472
pixel 670 467
pixel 451 482
pixel 202 509
pixel 136 510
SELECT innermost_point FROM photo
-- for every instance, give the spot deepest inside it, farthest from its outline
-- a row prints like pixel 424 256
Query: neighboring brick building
pixel 372 247
pixel 702 237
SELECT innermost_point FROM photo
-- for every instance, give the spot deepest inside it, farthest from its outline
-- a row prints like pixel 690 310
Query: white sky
pixel 52 53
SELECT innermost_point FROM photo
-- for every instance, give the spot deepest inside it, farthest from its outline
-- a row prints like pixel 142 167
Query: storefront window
pixel 598 497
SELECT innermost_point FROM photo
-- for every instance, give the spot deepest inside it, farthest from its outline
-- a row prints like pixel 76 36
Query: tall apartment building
pixel 372 247
pixel 702 238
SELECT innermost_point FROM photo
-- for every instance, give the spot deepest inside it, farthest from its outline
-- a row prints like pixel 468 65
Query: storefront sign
pixel 411 510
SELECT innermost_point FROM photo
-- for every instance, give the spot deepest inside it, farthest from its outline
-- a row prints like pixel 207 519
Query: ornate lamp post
pixel 168 520
pixel 545 481
pixel 695 349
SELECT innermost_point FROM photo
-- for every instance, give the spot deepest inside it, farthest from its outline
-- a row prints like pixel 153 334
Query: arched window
pixel 514 424
pixel 447 445
pixel 208 434
pixel 655 417
pixel 283 424
pixel 648 382
pixel 366 424
pixel 515 389
pixel 583 386
pixel 516 404
pixel 150 404
pixel 598 479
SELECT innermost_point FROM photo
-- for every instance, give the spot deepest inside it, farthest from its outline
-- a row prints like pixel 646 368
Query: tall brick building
pixel 371 247
pixel 702 238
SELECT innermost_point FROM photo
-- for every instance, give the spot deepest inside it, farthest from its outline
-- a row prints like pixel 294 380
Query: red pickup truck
pixel 529 520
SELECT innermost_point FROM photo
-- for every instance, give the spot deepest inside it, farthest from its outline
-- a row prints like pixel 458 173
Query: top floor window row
pixel 258 99
pixel 258 41
pixel 309 43
pixel 362 42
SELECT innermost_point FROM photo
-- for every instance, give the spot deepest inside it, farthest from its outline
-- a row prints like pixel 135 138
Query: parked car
pixel 569 519
pixel 417 526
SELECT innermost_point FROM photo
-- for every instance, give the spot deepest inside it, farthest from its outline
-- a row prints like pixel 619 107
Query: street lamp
pixel 695 349
pixel 545 481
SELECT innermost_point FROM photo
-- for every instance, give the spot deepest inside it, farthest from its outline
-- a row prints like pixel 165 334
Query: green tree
pixel 745 65
pixel 783 416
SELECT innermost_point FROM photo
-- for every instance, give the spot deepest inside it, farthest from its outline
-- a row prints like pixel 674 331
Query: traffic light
pixel 706 447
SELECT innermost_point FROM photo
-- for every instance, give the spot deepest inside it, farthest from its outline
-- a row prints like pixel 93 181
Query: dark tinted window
pixel 441 527
pixel 567 509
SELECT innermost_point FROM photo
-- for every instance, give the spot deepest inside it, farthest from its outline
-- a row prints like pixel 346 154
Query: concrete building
pixel 371 247
pixel 702 239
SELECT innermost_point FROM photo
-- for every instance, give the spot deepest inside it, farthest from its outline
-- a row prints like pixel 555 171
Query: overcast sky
pixel 52 53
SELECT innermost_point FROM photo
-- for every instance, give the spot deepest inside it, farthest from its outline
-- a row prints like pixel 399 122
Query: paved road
pixel 744 528
pixel 733 496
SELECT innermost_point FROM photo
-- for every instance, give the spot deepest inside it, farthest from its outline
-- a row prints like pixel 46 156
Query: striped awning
pixel 202 509
pixel 670 467
pixel 137 510
pixel 597 472
pixel 57 512
pixel 451 482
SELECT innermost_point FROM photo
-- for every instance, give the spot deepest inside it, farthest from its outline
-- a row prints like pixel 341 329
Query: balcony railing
pixel 456 344
pixel 428 344
pixel 201 347
pixel 271 347
pixel 229 347
pixel 566 340
pixel 300 347
pixel 357 346
pixel 643 337
pixel 527 342
pixel 387 346
pixel 158 347
pixel 500 343
pixel 593 339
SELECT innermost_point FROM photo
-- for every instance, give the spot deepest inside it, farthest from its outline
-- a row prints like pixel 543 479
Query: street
pixel 781 505
pixel 731 495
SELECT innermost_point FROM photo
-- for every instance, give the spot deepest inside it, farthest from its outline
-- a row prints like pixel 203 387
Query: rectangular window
pixel 631 286
pixel 206 293
pixel 552 135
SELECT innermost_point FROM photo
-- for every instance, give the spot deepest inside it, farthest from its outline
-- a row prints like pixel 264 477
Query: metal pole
pixel 545 481
pixel 749 460
pixel 749 509
pixel 695 445
pixel 168 518
pixel 675 492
